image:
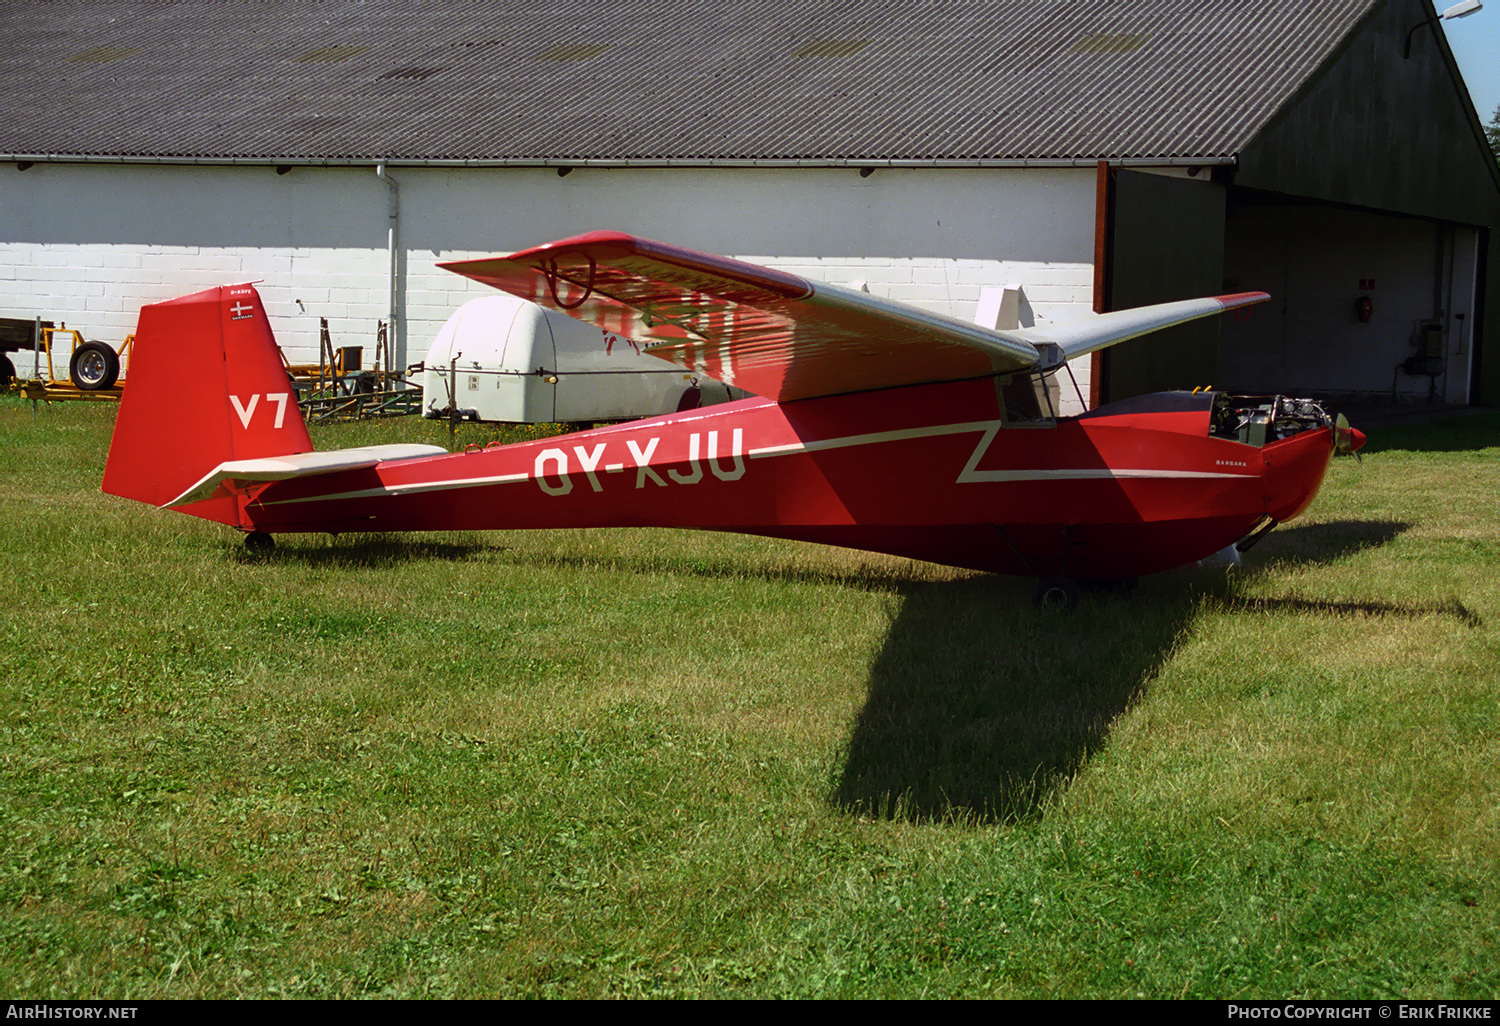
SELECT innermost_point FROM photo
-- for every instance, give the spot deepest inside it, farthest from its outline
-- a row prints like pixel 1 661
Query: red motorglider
pixel 879 426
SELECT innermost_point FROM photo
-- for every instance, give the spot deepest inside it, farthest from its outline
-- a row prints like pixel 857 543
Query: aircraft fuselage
pixel 934 472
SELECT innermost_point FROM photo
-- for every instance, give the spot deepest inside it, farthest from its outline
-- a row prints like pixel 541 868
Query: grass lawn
pixel 656 763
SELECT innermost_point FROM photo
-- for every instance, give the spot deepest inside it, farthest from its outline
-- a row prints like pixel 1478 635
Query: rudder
pixel 206 384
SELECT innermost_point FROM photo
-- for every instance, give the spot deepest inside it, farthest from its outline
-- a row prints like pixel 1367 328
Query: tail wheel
pixel 259 543
pixel 94 367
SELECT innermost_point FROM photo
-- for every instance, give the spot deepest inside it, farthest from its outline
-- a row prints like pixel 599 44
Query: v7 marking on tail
pixel 246 412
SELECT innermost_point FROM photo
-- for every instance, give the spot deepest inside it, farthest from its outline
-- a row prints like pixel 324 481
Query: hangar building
pixel 1098 154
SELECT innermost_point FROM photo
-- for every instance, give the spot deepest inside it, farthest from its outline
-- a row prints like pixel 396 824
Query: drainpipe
pixel 395 331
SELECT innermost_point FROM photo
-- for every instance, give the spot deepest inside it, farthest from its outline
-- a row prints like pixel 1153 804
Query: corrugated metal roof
pixel 813 81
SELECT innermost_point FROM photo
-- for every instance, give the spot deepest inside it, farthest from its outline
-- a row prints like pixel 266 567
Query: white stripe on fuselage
pixel 969 475
pixel 877 438
pixel 406 489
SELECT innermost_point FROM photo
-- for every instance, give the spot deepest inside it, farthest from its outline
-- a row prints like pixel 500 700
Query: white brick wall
pixel 89 244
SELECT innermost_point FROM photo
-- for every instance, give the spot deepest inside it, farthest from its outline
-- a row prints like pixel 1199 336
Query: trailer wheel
pixel 94 367
pixel 7 372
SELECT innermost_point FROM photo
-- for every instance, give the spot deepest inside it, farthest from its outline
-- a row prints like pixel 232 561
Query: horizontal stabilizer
pixel 305 464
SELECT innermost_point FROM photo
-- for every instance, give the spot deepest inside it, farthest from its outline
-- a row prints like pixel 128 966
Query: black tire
pixel 94 367
pixel 1055 593
pixel 259 542
pixel 7 373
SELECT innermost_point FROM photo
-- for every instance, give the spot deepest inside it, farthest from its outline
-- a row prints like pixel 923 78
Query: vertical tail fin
pixel 205 385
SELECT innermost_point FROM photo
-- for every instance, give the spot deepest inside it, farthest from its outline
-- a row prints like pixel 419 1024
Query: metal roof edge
pixel 655 162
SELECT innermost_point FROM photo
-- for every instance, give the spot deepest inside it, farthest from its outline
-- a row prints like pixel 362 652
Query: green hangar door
pixel 1165 241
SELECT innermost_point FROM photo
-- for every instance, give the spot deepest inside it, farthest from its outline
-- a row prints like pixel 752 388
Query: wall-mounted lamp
pixel 564 172
pixel 1459 10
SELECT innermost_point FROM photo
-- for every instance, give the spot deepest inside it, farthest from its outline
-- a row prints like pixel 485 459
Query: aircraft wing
pixel 1075 338
pixel 777 334
pixel 767 331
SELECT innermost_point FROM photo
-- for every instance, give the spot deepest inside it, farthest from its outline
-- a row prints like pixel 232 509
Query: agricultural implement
pixel 337 387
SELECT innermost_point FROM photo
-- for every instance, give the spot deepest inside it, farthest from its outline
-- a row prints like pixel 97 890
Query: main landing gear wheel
pixel 259 543
pixel 1055 593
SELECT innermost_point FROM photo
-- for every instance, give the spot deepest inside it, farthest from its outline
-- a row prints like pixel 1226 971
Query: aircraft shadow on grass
pixel 983 708
pixel 1323 542
pixel 364 552
pixel 979 706
pixel 385 550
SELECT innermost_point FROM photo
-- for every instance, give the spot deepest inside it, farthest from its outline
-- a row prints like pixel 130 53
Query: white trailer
pixel 500 358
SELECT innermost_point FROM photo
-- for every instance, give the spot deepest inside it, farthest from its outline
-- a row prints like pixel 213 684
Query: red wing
pixel 769 332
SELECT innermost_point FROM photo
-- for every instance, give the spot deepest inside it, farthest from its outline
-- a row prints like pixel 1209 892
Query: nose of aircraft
pixel 1347 439
pixel 1294 470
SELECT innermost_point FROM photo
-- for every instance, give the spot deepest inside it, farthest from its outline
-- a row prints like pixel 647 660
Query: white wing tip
pixel 1239 299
